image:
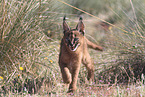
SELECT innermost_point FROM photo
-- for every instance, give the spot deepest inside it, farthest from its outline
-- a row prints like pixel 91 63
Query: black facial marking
pixel 72 40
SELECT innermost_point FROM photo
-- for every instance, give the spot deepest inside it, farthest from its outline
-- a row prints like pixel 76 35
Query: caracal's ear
pixel 80 26
pixel 65 26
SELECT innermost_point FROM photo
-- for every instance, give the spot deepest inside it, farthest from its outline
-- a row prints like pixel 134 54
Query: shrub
pixel 23 42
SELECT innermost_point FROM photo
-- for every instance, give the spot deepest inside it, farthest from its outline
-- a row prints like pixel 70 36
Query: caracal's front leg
pixel 74 73
pixel 65 73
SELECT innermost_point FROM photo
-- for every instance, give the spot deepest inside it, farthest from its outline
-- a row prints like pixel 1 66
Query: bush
pixel 23 43
pixel 124 60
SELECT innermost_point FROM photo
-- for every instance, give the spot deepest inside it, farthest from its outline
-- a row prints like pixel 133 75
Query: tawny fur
pixel 70 61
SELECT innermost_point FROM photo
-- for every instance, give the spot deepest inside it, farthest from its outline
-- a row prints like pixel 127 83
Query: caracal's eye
pixel 76 39
pixel 66 39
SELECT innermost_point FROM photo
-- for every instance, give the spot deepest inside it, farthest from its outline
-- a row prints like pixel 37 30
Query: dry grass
pixel 29 47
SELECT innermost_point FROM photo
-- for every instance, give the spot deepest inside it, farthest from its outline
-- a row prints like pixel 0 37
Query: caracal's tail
pixel 94 46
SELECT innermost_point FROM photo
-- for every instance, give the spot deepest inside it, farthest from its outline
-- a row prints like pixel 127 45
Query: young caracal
pixel 73 52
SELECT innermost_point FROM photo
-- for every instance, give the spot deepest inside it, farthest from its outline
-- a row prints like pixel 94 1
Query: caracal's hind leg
pixel 89 65
pixel 65 73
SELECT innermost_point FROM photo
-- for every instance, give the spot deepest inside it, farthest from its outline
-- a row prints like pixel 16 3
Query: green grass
pixel 30 37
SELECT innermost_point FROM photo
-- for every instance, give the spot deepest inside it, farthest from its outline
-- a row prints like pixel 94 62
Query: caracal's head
pixel 73 38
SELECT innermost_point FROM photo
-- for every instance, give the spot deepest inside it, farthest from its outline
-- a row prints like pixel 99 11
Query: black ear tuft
pixel 64 18
pixel 81 18
pixel 65 26
pixel 80 26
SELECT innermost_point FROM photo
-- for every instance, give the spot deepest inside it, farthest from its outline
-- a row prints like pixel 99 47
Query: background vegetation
pixel 30 33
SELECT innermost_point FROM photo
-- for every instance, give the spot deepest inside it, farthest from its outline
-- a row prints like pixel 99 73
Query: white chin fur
pixel 75 48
